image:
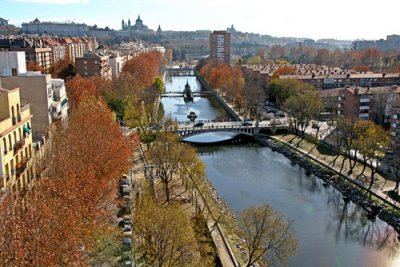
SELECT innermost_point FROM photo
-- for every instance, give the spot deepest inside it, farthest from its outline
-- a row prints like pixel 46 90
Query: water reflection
pixel 177 109
pixel 211 137
pixel 177 83
pixel 330 232
pixel 350 223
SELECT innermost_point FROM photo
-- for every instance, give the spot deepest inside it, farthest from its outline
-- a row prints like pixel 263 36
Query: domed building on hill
pixel 137 29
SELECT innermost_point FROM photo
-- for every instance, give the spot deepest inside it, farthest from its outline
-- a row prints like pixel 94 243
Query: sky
pixel 338 19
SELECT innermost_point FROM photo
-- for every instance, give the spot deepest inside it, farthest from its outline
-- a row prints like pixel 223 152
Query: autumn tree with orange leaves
pixel 33 66
pixel 59 221
pixel 63 69
pixel 229 80
pixel 79 88
pixel 144 68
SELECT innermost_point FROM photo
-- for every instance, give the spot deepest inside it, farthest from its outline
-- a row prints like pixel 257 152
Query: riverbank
pixel 351 190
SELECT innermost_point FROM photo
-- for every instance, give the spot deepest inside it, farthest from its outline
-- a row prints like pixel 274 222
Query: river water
pixel 330 232
pixel 205 107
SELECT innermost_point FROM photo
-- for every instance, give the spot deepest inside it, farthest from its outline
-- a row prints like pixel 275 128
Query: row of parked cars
pixel 125 222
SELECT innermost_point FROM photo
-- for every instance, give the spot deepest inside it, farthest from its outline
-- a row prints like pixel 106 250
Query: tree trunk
pixel 342 166
pixel 333 162
pixel 167 192
pixel 364 167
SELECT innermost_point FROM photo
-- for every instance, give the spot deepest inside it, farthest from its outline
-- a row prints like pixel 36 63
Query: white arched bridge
pixel 246 128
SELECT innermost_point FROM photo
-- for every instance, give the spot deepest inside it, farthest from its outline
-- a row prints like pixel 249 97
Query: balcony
pixel 18 146
pixel 21 166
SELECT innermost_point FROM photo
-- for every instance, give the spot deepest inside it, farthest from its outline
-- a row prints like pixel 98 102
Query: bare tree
pixel 267 234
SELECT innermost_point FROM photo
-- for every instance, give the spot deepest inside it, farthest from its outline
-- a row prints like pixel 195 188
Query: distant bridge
pixel 181 71
pixel 173 94
pixel 187 130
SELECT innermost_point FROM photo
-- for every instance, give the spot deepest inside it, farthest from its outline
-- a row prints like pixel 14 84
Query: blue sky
pixel 340 19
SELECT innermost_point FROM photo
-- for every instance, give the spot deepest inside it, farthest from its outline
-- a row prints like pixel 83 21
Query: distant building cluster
pixel 392 43
pixel 7 29
pixel 323 77
pixel 45 51
pixel 55 28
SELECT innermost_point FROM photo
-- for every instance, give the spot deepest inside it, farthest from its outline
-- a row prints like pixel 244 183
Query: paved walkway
pixel 178 192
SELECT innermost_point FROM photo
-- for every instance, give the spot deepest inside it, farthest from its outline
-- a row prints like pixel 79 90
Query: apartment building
pixel 93 64
pixel 365 103
pixel 16 169
pixel 12 63
pixel 47 97
pixel 116 63
pixel 40 56
pixel 220 46
pixel 45 51
pixel 395 125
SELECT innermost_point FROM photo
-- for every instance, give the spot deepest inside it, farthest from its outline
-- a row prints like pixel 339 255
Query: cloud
pixel 53 2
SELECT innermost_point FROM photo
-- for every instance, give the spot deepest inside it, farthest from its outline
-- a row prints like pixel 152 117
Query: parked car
pixel 315 125
pixel 246 123
pixel 199 124
pixel 127 243
pixel 127 226
pixel 124 182
pixel 280 114
pixel 157 126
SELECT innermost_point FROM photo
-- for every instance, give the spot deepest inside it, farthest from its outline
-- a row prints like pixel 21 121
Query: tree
pixel 256 60
pixel 372 142
pixel 394 165
pixel 267 234
pixel 144 68
pixel 229 80
pixel 158 85
pixel 254 99
pixel 70 204
pixel 142 111
pixel 164 234
pixel 285 70
pixel 348 132
pixel 33 66
pixel 63 69
pixel 282 89
pixel 167 154
pixel 79 88
pixel 304 106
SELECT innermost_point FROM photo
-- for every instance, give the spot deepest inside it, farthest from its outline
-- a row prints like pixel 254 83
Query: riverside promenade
pixel 379 189
pixel 306 148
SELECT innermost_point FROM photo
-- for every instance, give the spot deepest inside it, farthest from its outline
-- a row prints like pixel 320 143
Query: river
pixel 330 232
